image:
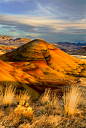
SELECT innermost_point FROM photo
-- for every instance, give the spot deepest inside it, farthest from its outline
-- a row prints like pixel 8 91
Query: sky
pixel 50 20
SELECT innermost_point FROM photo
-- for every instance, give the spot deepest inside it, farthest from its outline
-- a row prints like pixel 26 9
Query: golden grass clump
pixel 71 99
pixel 45 98
pixel 7 97
pixel 23 109
pixel 50 98
pixel 54 100
pixel 23 96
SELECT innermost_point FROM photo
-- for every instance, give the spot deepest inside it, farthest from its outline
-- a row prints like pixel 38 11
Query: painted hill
pixel 7 48
pixel 50 66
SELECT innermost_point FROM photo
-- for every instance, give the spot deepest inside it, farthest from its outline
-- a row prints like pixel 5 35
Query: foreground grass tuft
pixel 22 96
pixel 45 98
pixel 71 99
pixel 23 110
pixel 8 96
pixel 50 111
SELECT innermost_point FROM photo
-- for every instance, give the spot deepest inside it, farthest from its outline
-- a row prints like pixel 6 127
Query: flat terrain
pixel 80 57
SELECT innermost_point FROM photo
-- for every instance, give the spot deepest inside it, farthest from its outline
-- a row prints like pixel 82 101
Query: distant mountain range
pixel 70 48
pixel 67 44
pixel 7 40
pixel 7 43
pixel 81 51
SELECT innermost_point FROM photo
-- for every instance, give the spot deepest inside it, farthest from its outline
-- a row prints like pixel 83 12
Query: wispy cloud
pixel 44 10
pixel 33 34
pixel 9 28
pixel 37 24
pixel 18 24
pixel 13 1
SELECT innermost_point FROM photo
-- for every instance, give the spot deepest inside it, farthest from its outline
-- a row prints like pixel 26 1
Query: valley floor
pixel 80 57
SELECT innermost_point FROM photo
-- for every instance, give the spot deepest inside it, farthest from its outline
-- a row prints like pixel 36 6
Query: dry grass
pixel 71 99
pixel 7 97
pixel 10 120
pixel 22 96
pixel 55 100
pixel 45 98
pixel 49 99
pixel 47 112
pixel 46 122
pixel 24 125
pixel 23 110
pixel 1 95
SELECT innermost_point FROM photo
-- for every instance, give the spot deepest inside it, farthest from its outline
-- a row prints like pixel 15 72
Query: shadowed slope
pixel 9 74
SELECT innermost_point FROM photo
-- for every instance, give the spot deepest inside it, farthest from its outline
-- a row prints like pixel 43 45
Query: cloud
pixel 42 25
pixel 13 1
pixel 85 38
pixel 12 21
pixel 45 10
pixel 58 9
pixel 9 28
pixel 33 35
pixel 15 34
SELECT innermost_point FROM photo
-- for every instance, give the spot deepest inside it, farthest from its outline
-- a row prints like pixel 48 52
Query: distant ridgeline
pixel 72 44
pixel 7 40
pixel 70 48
